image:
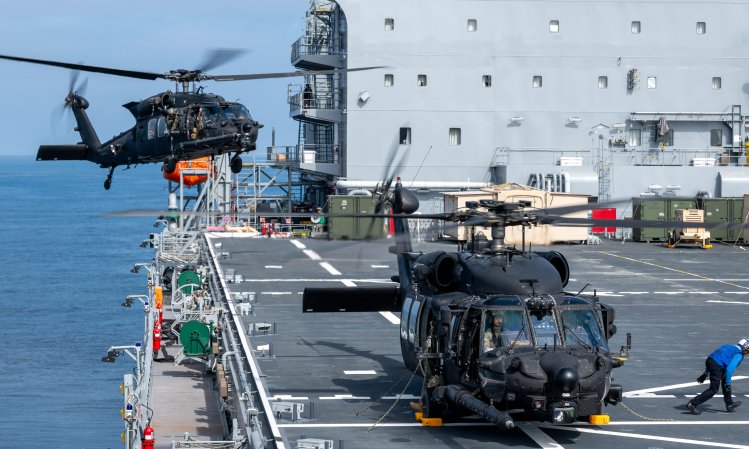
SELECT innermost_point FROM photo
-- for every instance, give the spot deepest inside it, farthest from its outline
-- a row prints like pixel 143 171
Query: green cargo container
pixel 737 216
pixel 657 209
pixel 354 228
pixel 650 209
pixel 717 210
pixel 675 204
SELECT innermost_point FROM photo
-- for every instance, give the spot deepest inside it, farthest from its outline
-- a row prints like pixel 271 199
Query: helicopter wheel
pixel 108 181
pixel 236 164
pixel 170 165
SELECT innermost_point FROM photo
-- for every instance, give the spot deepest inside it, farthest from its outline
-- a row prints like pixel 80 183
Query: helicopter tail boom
pixel 77 152
pixel 352 299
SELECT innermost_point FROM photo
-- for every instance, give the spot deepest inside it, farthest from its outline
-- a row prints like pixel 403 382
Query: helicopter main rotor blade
pixel 88 68
pixel 258 76
pixel 217 57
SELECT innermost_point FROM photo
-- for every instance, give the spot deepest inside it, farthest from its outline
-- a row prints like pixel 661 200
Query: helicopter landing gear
pixel 236 164
pixel 430 407
pixel 108 181
pixel 170 165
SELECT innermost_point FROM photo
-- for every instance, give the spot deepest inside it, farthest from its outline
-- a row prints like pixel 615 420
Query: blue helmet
pixel 744 344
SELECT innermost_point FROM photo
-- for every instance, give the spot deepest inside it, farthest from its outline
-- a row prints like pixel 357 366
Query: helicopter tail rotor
pixel 74 96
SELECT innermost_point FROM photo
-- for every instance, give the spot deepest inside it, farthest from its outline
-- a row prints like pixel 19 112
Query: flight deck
pixel 340 376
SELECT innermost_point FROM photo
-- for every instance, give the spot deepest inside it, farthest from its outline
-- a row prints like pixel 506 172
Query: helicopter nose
pixel 566 379
pixel 247 127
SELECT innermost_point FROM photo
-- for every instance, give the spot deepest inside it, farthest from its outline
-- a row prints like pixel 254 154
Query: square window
pixel 701 28
pixel 454 137
pixel 716 137
pixel 421 80
pixel 554 26
pixel 717 83
pixel 651 82
pixel 537 81
pixel 389 80
pixel 635 137
pixel 486 80
pixel 405 136
pixel 389 24
pixel 636 27
pixel 603 82
pixel 472 25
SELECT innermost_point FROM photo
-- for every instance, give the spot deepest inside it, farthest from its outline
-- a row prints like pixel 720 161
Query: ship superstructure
pixel 607 98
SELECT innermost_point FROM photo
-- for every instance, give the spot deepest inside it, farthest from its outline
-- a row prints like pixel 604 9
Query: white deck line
pixel 538 436
pixel 330 268
pixel 275 431
pixel 672 387
pixel 651 437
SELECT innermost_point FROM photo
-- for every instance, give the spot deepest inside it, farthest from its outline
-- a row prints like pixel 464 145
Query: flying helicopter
pixel 491 328
pixel 169 126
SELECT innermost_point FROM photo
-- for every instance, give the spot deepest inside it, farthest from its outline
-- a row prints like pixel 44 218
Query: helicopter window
pixel 152 128
pixel 161 127
pixel 412 319
pixel 211 114
pixel 545 328
pixel 241 111
pixel 505 328
pixel 581 328
pixel 229 113
pixel 404 317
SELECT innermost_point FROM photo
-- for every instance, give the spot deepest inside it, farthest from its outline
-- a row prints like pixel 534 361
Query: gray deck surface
pixel 679 304
pixel 183 400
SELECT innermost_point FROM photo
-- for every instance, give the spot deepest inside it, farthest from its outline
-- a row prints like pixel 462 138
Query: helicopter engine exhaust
pixel 559 262
pixel 352 299
pixel 461 397
pixel 440 268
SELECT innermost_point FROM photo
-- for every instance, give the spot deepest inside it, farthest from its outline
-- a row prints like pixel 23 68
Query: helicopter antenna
pixel 581 290
pixel 422 164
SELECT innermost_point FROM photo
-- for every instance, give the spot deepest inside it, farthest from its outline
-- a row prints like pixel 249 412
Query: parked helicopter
pixel 170 126
pixel 491 328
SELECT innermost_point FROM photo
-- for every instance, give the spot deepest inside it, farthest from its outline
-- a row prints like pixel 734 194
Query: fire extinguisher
pixel 148 438
pixel 156 337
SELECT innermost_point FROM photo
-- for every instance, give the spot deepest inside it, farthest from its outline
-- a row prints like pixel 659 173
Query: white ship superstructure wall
pixel 630 93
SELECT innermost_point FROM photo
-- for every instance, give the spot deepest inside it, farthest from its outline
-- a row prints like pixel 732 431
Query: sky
pixel 144 35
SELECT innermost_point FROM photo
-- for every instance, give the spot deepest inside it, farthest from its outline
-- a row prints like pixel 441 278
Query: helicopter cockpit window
pixel 211 114
pixel 161 128
pixel 545 328
pixel 152 128
pixel 229 113
pixel 505 328
pixel 581 328
pixel 241 111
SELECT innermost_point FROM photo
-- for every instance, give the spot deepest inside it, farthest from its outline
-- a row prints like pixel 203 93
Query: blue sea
pixel 65 272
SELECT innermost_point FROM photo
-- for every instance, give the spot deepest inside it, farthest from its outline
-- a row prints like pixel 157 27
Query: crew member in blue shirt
pixel 720 366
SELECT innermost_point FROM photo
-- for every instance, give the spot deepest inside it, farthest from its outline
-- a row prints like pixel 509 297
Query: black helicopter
pixel 491 328
pixel 170 126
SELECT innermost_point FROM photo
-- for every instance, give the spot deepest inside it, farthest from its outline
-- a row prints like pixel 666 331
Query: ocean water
pixel 65 272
